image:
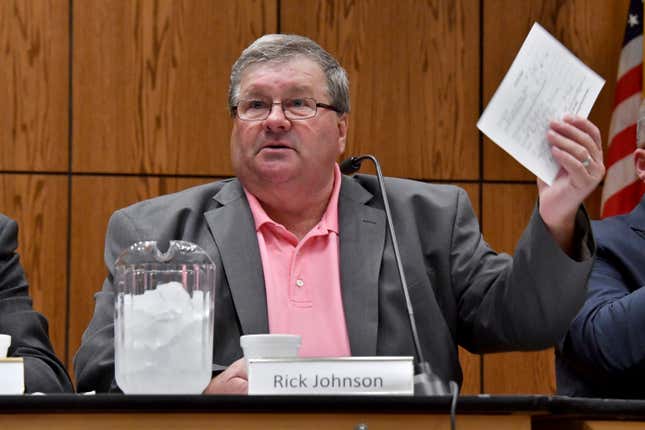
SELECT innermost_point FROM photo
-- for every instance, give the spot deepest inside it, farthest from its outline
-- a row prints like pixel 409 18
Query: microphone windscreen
pixel 350 165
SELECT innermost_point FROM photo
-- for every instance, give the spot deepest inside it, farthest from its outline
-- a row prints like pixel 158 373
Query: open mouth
pixel 277 146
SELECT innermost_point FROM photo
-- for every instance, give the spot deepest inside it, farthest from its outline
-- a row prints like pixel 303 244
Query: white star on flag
pixel 633 20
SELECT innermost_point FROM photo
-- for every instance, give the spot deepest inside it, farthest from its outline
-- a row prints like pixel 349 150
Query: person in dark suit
pixel 603 354
pixel 302 249
pixel 27 328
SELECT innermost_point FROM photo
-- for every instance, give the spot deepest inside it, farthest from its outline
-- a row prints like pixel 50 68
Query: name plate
pixel 332 376
pixel 12 375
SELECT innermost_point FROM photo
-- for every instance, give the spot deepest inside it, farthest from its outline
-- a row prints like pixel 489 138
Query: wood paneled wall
pixel 107 102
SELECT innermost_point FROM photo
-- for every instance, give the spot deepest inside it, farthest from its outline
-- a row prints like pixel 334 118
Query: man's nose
pixel 277 121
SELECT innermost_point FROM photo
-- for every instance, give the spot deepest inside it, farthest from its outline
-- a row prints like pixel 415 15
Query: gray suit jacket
pixel 27 328
pixel 462 291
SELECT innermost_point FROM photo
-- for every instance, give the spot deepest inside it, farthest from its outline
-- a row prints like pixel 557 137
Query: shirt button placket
pixel 296 276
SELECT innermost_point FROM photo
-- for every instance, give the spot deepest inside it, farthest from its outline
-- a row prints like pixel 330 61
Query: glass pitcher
pixel 163 319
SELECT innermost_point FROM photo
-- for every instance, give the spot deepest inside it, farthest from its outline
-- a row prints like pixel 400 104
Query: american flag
pixel 622 190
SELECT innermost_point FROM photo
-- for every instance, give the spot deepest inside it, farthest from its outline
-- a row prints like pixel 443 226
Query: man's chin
pixel 276 173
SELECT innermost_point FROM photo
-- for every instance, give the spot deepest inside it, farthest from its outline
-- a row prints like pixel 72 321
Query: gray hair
pixel 284 47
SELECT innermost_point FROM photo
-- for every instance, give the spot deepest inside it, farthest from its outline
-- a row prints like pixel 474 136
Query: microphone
pixel 353 164
pixel 426 382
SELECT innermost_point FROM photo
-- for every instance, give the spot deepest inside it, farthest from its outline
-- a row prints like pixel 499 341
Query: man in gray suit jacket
pixel 27 328
pixel 290 102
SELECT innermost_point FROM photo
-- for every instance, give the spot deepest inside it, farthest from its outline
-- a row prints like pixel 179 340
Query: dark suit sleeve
pixel 526 301
pixel 608 335
pixel 94 361
pixel 27 328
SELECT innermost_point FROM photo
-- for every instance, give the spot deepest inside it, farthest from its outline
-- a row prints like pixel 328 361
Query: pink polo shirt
pixel 302 280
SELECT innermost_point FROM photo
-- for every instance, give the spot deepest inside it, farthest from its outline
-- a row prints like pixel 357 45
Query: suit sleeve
pixel 28 329
pixel 521 302
pixel 94 361
pixel 608 335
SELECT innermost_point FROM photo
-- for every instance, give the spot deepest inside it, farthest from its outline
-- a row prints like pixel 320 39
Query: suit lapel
pixel 362 237
pixel 233 230
pixel 637 218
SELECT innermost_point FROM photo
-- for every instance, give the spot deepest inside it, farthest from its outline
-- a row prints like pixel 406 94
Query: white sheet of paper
pixel 544 82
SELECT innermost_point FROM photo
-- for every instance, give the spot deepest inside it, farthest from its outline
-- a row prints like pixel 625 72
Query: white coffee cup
pixel 5 342
pixel 270 345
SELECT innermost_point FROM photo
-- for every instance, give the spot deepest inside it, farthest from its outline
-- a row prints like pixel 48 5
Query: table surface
pixel 476 405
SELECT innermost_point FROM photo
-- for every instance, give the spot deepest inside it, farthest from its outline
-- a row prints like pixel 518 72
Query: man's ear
pixel 343 123
pixel 639 162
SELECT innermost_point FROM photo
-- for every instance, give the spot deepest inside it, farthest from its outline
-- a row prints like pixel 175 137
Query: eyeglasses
pixel 294 109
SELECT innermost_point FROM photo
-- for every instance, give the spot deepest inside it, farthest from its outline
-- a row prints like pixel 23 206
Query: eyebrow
pixel 298 90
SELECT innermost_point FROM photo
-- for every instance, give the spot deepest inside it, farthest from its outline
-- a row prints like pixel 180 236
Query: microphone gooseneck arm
pixel 425 382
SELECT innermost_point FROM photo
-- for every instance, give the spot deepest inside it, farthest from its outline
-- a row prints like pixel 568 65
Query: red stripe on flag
pixel 625 200
pixel 621 145
pixel 629 84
